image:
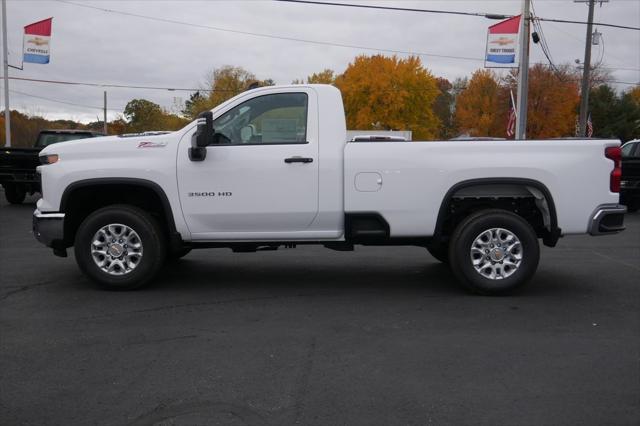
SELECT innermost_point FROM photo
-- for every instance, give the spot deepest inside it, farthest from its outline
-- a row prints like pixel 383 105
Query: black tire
pixel 150 235
pixel 440 252
pixel 470 229
pixel 179 254
pixel 15 194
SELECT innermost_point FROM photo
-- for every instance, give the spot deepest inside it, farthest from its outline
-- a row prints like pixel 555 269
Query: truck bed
pixel 405 182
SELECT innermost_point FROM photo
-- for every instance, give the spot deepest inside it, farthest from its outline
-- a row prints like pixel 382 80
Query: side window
pixel 270 119
pixel 627 150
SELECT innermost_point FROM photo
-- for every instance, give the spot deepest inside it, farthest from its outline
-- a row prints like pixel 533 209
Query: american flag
pixel 589 126
pixel 511 122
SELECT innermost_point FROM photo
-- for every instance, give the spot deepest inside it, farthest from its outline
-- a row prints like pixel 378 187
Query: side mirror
pixel 202 138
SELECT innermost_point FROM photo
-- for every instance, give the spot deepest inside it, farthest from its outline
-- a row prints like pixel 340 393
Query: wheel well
pixel 82 199
pixel 528 199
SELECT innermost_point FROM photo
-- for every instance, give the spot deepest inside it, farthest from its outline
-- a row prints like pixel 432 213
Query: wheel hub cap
pixel 116 249
pixel 496 253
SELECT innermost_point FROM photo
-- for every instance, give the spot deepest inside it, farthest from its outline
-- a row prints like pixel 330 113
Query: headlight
pixel 49 159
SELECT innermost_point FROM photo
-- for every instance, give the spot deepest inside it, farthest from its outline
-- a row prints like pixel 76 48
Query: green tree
pixel 382 92
pixel 143 115
pixel 190 105
pixel 443 108
pixel 613 115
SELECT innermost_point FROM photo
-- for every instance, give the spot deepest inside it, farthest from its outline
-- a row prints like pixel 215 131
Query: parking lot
pixel 316 337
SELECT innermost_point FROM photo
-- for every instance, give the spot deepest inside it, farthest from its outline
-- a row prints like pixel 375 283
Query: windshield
pixel 46 139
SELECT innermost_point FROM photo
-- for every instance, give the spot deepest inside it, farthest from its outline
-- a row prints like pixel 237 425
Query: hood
pixel 112 144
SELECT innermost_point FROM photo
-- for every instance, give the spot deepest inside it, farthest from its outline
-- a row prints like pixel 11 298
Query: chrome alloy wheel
pixel 496 253
pixel 116 249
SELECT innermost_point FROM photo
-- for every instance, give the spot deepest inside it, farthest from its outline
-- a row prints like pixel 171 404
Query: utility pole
pixel 523 72
pixel 5 55
pixel 584 90
pixel 105 112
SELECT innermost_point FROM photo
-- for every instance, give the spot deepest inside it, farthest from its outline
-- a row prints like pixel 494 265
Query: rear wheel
pixel 493 252
pixel 120 247
pixel 15 194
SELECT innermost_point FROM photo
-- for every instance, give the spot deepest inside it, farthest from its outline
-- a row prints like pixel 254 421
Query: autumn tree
pixel 390 93
pixel 482 106
pixel 634 94
pixel 25 128
pixel 223 83
pixel 552 103
pixel 326 76
pixel 117 126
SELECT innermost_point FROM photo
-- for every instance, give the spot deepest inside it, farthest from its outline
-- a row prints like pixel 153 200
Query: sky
pixel 90 45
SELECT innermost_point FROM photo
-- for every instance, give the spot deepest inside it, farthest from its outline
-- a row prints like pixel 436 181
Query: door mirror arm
pixel 203 137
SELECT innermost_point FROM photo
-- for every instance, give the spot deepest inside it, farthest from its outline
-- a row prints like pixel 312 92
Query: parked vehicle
pixel 18 165
pixel 630 184
pixel 270 168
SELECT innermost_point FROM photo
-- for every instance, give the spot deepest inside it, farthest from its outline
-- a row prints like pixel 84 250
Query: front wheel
pixel 120 247
pixel 493 252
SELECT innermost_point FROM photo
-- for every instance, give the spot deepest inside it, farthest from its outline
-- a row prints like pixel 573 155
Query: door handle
pixel 298 160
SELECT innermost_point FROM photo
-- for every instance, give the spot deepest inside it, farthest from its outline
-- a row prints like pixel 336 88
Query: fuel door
pixel 368 182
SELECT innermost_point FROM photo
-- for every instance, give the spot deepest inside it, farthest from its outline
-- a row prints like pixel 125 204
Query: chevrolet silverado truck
pixel 272 167
pixel 18 165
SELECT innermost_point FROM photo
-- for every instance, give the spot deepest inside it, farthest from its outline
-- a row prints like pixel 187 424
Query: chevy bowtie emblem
pixel 502 41
pixel 38 41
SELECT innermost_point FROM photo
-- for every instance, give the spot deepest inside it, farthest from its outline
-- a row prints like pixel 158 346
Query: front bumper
pixel 48 228
pixel 607 219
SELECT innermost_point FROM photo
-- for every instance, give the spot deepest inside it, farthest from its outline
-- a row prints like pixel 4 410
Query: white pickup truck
pixel 272 167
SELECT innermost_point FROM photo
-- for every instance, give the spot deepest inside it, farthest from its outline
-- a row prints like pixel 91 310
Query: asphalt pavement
pixel 309 336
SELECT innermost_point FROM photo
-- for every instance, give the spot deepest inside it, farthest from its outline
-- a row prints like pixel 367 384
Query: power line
pixel 543 42
pixel 451 12
pixel 401 9
pixel 272 36
pixel 117 86
pixel 602 24
pixel 317 42
pixel 61 102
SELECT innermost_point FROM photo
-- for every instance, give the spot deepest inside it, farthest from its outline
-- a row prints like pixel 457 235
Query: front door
pixel 261 181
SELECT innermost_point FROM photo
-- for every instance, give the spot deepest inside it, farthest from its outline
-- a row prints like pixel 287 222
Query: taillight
pixel 614 153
